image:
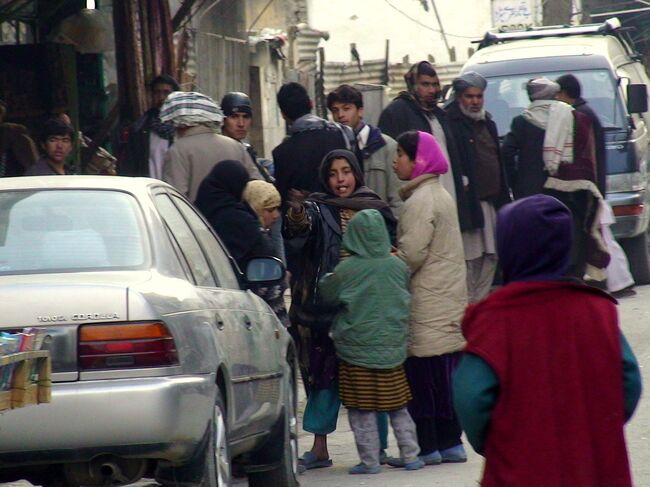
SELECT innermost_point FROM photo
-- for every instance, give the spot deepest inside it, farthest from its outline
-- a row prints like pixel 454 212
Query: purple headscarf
pixel 534 239
pixel 429 158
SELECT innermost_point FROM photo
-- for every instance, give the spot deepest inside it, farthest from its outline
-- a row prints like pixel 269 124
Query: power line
pixel 426 26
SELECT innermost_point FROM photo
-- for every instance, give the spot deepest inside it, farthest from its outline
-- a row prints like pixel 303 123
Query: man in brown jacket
pixel 17 149
pixel 199 144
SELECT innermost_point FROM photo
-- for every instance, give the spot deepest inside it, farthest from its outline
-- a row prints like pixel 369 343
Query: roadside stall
pixel 25 369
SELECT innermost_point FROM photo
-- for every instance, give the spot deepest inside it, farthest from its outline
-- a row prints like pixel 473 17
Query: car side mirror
pixel 264 271
pixel 637 98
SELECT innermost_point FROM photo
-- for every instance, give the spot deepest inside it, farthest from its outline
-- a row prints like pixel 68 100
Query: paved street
pixel 635 317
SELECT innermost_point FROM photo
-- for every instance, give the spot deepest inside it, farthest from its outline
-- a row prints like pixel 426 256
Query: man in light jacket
pixel 199 145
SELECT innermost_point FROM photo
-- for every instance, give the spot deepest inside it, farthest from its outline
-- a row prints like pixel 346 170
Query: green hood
pixel 366 235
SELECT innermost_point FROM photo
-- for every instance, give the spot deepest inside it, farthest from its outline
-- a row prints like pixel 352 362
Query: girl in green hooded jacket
pixel 370 336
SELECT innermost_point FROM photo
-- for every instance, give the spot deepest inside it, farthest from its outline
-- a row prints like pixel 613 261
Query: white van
pixel 614 83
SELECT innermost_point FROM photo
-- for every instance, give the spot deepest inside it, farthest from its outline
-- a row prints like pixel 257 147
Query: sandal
pixel 309 460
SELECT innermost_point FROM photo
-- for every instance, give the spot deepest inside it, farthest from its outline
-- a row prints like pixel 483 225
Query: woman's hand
pixel 296 198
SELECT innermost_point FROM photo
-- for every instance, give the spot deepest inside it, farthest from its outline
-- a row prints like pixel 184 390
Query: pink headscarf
pixel 429 158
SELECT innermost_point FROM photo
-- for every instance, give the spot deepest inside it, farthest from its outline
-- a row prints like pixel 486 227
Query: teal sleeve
pixel 476 389
pixel 631 379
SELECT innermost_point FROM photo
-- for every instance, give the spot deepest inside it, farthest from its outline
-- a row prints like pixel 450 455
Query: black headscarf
pixel 534 239
pixel 219 198
pixel 362 198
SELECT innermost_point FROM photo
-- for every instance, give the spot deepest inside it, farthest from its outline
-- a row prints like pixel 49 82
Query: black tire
pixel 284 472
pixel 636 250
pixel 211 466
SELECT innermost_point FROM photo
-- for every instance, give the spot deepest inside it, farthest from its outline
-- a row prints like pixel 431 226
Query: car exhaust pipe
pixel 111 472
pixel 105 470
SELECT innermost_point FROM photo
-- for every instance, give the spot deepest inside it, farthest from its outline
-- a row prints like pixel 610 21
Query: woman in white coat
pixel 429 241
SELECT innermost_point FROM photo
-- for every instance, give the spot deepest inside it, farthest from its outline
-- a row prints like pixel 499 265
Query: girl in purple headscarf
pixel 429 241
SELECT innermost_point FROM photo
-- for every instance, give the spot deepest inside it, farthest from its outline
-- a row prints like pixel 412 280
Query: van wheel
pixel 636 250
pixel 282 450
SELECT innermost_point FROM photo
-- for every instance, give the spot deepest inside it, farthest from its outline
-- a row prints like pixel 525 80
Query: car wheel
pixel 285 470
pixel 211 467
pixel 636 250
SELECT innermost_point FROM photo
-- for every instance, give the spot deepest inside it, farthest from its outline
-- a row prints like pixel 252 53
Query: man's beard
pixel 476 116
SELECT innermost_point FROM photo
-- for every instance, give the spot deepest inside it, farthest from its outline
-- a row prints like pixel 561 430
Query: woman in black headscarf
pixel 315 226
pixel 219 198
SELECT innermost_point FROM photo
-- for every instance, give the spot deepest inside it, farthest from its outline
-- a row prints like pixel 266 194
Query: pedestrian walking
pixel 219 198
pixel 548 379
pixel 238 117
pixel 429 241
pixel 17 149
pixel 370 333
pixel 148 139
pixel 619 277
pixel 417 109
pixel 56 144
pixel 298 158
pixel 315 225
pixel 550 149
pixel 483 177
pixel 373 149
pixel 198 145
pixel 264 199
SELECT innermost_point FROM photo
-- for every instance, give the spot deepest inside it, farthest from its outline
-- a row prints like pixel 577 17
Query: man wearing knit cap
pixel 238 117
pixel 550 149
pixel 199 146
pixel 483 180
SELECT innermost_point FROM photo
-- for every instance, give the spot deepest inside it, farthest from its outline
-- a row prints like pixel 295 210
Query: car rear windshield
pixel 70 230
pixel 506 96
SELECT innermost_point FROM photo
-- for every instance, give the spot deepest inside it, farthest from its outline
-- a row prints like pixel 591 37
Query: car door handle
pixel 220 323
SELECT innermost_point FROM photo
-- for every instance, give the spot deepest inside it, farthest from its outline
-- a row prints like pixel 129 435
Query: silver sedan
pixel 164 363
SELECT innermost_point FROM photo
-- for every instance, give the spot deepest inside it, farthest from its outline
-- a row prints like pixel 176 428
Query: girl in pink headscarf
pixel 429 242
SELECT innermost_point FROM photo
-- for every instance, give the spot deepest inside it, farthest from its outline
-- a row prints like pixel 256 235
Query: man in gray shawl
pixel 483 179
pixel 550 149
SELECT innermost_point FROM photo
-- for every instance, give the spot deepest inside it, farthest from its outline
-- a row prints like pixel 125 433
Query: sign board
pixel 509 15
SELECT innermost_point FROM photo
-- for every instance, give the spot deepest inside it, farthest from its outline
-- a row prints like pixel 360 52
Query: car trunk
pixel 61 303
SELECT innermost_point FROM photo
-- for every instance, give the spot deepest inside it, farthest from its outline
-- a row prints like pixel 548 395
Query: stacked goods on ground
pixel 25 368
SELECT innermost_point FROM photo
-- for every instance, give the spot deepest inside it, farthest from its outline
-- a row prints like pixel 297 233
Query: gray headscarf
pixel 542 89
pixel 471 79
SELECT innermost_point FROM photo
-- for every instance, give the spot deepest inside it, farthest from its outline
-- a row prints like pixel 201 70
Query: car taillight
pixel 126 345
pixel 627 210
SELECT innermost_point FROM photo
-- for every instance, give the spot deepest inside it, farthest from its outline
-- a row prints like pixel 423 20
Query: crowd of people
pixel 388 234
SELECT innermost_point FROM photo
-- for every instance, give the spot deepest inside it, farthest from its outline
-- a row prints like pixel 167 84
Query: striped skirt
pixel 373 389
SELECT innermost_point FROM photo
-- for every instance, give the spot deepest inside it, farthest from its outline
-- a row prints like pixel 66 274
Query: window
pixel 186 241
pixel 70 231
pixel 506 96
pixel 215 254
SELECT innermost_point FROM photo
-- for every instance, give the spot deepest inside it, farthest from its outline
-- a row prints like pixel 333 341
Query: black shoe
pixel 624 293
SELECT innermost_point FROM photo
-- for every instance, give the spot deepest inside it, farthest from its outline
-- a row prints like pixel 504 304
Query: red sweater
pixel 558 420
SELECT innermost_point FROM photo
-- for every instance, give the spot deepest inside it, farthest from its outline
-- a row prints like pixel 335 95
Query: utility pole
pixel 442 30
pixel 556 12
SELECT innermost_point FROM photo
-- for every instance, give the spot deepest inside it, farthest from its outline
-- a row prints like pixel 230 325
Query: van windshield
pixel 506 96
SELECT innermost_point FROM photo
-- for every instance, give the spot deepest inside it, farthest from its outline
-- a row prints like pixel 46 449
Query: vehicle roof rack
pixel 609 27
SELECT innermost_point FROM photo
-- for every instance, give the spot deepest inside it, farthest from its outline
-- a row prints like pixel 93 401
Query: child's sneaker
pixel 455 454
pixel 416 465
pixel 433 458
pixel 363 469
